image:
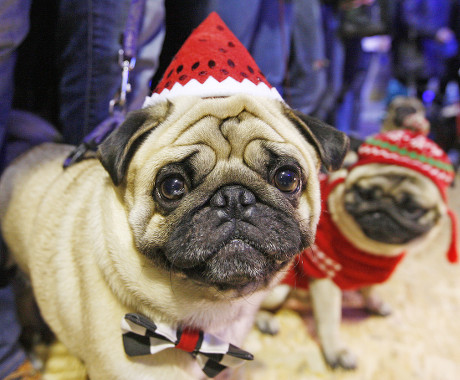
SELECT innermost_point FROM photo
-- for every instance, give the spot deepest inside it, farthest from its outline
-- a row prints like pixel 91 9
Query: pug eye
pixel 287 180
pixel 173 188
pixel 369 194
pixel 411 208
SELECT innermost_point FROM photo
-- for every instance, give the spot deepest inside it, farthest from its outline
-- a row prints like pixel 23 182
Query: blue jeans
pixel 264 28
pixel 88 42
pixel 11 353
pixel 14 21
pixel 335 53
pixel 306 84
pixel 355 71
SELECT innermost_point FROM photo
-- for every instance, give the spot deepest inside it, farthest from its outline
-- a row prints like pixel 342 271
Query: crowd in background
pixel 320 54
pixel 338 60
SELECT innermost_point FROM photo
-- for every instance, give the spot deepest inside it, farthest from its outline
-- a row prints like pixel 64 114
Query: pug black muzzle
pixel 384 218
pixel 233 240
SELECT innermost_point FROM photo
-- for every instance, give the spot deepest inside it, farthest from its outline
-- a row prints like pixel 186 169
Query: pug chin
pixel 236 266
pixel 382 227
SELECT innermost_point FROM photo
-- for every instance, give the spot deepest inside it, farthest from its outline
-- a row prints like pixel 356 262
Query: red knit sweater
pixel 335 257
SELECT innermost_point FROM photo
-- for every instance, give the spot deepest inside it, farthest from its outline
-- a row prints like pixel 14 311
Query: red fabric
pixel 335 257
pixel 412 150
pixel 440 184
pixel 188 340
pixel 452 253
pixel 211 50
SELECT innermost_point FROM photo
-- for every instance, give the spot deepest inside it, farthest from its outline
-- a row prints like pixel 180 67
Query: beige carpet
pixel 419 341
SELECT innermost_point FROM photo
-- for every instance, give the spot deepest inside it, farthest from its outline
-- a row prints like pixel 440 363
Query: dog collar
pixel 142 336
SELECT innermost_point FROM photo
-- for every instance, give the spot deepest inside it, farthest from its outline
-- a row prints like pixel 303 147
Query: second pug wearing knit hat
pixel 390 202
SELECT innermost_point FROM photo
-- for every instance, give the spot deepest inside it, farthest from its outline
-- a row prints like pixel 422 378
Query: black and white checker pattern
pixel 144 337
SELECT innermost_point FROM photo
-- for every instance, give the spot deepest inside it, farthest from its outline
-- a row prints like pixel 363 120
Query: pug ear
pixel 118 148
pixel 331 144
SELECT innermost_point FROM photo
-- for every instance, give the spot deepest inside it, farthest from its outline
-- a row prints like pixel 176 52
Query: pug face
pixel 223 191
pixel 390 204
pixel 407 113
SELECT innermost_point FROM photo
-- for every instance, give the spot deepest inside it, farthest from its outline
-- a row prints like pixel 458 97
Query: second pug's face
pixel 391 204
pixel 225 195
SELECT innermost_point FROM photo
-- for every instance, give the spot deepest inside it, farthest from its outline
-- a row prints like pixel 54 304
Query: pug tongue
pixel 212 62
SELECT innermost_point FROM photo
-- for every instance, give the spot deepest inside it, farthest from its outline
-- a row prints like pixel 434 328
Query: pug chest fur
pixel 188 216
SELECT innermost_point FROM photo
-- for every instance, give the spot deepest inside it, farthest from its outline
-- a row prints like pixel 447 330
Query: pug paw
pixel 376 306
pixel 382 310
pixel 267 323
pixel 342 359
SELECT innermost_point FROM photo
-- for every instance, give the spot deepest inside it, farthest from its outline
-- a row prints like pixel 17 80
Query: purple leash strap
pixel 132 28
pixel 117 106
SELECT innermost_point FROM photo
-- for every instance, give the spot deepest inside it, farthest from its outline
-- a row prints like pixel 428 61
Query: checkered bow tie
pixel 144 337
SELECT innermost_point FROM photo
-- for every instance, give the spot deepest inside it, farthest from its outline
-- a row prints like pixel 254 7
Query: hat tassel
pixel 452 254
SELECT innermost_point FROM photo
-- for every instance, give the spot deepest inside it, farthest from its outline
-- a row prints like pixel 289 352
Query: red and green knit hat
pixel 412 150
pixel 212 62
pixel 417 152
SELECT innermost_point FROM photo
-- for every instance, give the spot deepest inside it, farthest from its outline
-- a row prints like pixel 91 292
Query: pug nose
pixel 233 201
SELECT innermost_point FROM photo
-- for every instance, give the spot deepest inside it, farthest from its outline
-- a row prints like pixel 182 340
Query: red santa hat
pixel 417 152
pixel 212 62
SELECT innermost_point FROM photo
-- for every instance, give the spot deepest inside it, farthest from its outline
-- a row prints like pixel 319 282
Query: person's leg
pixel 306 79
pixel 14 26
pixel 150 44
pixel 271 44
pixel 241 17
pixel 88 44
pixel 335 54
pixel 356 88
pixel 12 354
